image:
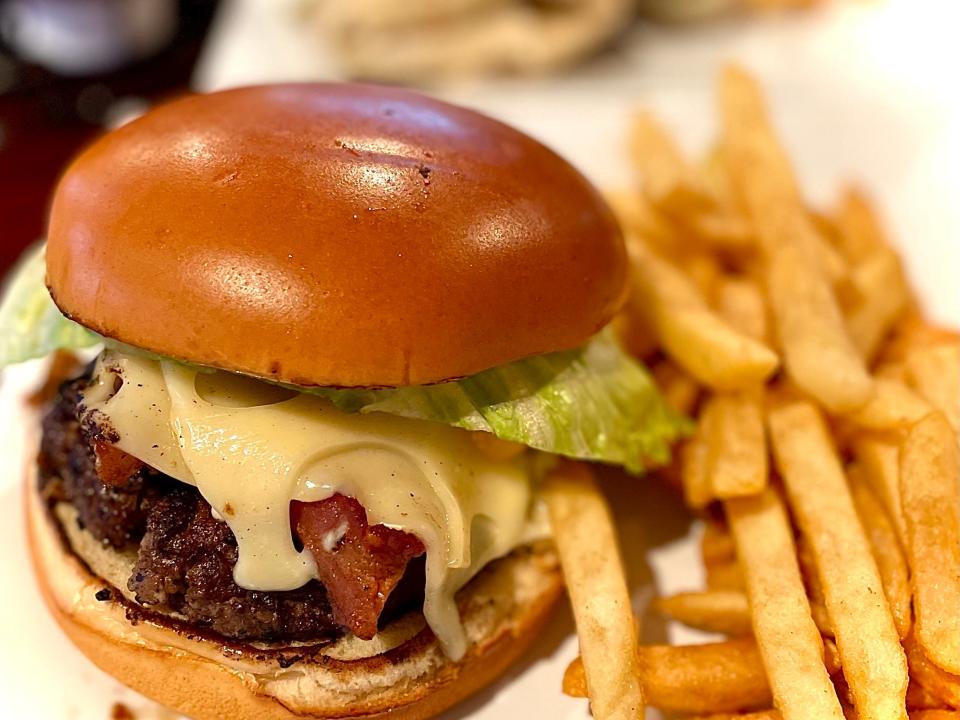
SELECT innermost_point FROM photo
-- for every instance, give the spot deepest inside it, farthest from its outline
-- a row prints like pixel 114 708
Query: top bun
pixel 332 234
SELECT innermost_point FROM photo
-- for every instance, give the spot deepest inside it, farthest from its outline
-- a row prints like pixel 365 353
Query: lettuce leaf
pixel 31 326
pixel 594 403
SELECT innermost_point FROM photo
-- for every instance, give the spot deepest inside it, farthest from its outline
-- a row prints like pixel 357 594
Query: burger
pixel 337 334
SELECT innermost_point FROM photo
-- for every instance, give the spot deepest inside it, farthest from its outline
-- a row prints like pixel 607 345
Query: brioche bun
pixel 332 234
pixel 503 609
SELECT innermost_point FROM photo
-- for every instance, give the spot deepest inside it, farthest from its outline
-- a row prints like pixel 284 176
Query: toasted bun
pixel 332 234
pixel 502 609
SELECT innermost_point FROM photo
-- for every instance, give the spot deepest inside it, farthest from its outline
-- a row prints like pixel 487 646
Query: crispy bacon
pixel 114 466
pixel 359 564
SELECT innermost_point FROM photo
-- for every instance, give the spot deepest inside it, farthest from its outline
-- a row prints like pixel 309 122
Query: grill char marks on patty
pixel 185 556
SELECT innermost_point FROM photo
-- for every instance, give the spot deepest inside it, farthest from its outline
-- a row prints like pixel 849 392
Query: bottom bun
pixel 502 609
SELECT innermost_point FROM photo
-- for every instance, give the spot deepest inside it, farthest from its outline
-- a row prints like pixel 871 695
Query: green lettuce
pixel 31 326
pixel 594 403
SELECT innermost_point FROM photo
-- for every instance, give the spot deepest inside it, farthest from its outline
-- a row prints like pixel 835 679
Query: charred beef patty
pixel 185 556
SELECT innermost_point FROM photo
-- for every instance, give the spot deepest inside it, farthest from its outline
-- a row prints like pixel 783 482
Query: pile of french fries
pixel 825 460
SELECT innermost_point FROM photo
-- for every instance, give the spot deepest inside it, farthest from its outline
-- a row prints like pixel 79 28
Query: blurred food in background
pixel 693 10
pixel 69 68
pixel 429 41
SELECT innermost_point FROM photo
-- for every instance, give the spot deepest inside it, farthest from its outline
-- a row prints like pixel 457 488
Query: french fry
pixel 719 611
pixel 892 406
pixel 704 270
pixel 695 469
pixel 912 332
pixel 935 715
pixel 818 352
pixel 859 233
pixel 811 581
pixel 677 387
pixel 720 230
pixel 589 555
pixel 930 492
pixel 873 661
pixel 789 641
pixel 883 299
pixel 936 681
pixel 935 374
pixel 725 576
pixel 919 698
pixel 716 543
pixel 691 333
pixel 740 302
pixel 713 172
pixel 638 217
pixel 887 551
pixel 879 457
pixel 725 676
pixel 736 447
pixel 668 180
pixel 831 657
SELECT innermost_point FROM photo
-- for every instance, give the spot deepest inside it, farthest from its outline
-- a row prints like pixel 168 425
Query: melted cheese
pixel 251 448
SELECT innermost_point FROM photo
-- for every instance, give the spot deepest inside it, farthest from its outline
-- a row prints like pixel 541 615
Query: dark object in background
pixel 69 67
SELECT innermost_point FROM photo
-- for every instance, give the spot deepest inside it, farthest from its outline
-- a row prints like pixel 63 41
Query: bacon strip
pixel 114 466
pixel 359 564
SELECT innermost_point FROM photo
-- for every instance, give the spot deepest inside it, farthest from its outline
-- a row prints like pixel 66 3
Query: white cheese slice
pixel 251 448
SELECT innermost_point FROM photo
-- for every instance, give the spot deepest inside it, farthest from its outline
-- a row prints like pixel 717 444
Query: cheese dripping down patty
pixel 251 448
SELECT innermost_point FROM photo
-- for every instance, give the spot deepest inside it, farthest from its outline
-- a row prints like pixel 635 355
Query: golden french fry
pixel 930 492
pixel 818 352
pixel 811 580
pixel 919 698
pixel 677 387
pixel 887 551
pixel 789 642
pixel 892 406
pixel 725 676
pixel 859 234
pixel 935 680
pixel 720 611
pixel 691 333
pixel 879 457
pixel 935 715
pixel 716 543
pixel 638 217
pixel 884 297
pixel 740 302
pixel 704 270
pixel 694 469
pixel 720 229
pixel 725 576
pixel 935 373
pixel 912 332
pixel 668 180
pixel 831 656
pixel 596 583
pixel 873 661
pixel 736 446
pixel 713 173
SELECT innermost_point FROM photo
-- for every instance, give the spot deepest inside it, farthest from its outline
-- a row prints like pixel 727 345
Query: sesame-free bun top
pixel 332 234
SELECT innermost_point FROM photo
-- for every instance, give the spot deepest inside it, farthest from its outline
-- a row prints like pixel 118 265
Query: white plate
pixel 847 107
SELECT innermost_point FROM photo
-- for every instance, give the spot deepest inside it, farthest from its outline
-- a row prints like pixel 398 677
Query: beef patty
pixel 185 556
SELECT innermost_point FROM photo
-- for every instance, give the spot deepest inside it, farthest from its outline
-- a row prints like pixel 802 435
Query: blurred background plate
pixel 860 91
